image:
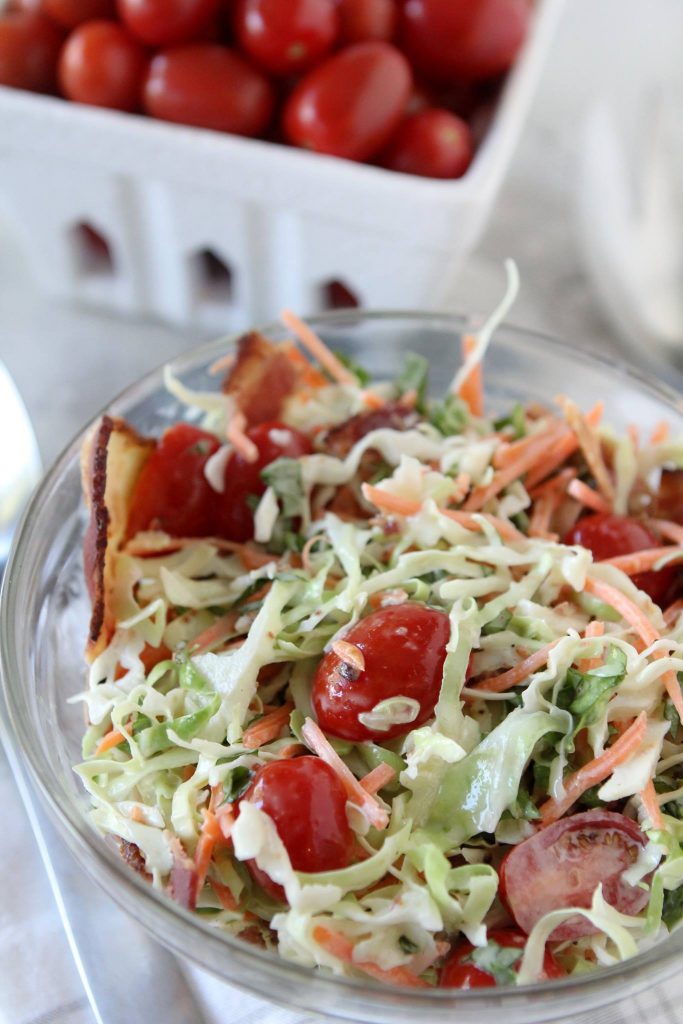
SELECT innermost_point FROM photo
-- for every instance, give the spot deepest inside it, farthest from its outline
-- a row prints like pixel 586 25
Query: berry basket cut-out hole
pixel 213 278
pixel 92 251
pixel 336 294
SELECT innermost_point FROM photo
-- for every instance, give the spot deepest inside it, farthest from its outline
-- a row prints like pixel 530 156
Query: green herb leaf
pixel 413 377
pixel 450 416
pixel 407 945
pixel 155 738
pixel 284 476
pixel 498 624
pixel 586 694
pixel 672 911
pixel 515 419
pixel 359 372
pixel 237 783
pixel 497 961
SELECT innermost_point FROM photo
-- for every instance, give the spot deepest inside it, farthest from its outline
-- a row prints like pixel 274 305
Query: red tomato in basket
pixel 307 803
pixel 234 518
pixel 432 143
pixel 367 19
pixel 608 535
pixel 102 65
pixel 562 865
pixel 167 22
pixel 172 493
pixel 210 86
pixel 463 39
pixel 351 105
pixel 404 648
pixel 460 972
pixel 71 13
pixel 29 48
pixel 286 38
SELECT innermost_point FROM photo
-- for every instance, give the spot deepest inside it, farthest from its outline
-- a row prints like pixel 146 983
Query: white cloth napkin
pixel 39 983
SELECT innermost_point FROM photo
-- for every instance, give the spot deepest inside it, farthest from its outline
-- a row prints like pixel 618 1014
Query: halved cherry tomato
pixel 404 648
pixel 71 13
pixel 234 518
pixel 460 972
pixel 608 535
pixel 451 40
pixel 102 65
pixel 351 105
pixel 167 22
pixel 432 143
pixel 172 493
pixel 209 86
pixel 29 48
pixel 562 865
pixel 286 38
pixel 367 19
pixel 307 803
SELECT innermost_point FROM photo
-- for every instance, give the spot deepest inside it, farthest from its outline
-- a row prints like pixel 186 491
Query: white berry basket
pixel 216 232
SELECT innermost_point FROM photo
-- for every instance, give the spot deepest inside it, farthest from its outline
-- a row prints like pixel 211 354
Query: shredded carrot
pixel 668 530
pixel 292 750
pixel 629 611
pixel 378 778
pixel 311 376
pixel 111 739
pixel 651 805
pixel 508 453
pixel 267 728
pixel 528 458
pixel 207 841
pixel 225 819
pixel 225 896
pixel 251 558
pixel 595 771
pixel 593 629
pixel 580 491
pixel 642 561
pixel 561 450
pixel 317 741
pixel 339 945
pixel 513 676
pixel 634 435
pixel 137 815
pixel 310 340
pixel 222 363
pixel 461 485
pixel 237 437
pixel 471 389
pixel 590 445
pixel 395 505
pixel 539 523
pixel 672 613
pixel 372 400
pixel 216 634
pixel 553 485
pixel 660 434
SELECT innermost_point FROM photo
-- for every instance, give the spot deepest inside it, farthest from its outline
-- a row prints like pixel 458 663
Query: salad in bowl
pixel 384 683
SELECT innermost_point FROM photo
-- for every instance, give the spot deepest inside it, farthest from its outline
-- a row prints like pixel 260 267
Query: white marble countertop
pixel 68 362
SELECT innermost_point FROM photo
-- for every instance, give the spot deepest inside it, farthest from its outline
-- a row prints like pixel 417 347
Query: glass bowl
pixel 44 613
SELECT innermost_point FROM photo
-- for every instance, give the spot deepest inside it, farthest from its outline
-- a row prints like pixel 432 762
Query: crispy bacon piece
pixel 394 415
pixel 112 457
pixel 669 501
pixel 262 378
pixel 182 881
pixel 133 858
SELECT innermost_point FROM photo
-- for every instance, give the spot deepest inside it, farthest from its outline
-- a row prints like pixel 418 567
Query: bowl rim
pixel 81 835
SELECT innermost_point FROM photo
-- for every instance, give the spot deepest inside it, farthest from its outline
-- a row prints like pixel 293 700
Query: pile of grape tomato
pixel 398 83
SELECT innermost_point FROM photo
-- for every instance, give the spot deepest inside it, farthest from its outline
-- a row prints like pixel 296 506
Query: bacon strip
pixel 262 378
pixel 112 458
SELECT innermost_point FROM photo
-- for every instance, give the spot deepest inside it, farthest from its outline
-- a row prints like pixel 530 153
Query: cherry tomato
pixel 102 65
pixel 71 13
pixel 167 22
pixel 307 803
pixel 432 143
pixel 562 865
pixel 464 39
pixel 351 105
pixel 367 19
pixel 286 38
pixel 209 86
pixel 404 647
pixel 29 48
pixel 234 517
pixel 460 972
pixel 608 535
pixel 172 493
